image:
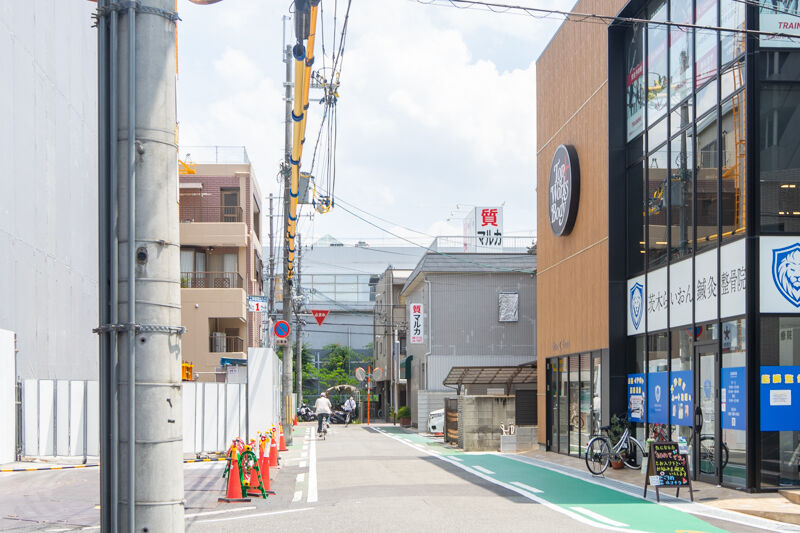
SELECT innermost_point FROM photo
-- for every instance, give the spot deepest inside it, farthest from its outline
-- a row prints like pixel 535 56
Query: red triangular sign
pixel 320 315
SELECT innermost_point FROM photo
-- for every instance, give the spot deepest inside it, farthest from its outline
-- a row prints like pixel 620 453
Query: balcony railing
pixel 222 343
pixel 202 213
pixel 211 280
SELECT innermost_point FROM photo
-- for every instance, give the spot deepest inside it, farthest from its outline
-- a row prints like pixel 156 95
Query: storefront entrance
pixel 706 416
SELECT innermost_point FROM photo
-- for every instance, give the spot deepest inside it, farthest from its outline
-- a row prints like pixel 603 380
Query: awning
pixel 491 375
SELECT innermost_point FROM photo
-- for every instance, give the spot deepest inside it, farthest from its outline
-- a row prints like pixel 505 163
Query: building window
pixel 634 84
pixel 657 74
pixel 706 199
pixel 636 219
pixel 734 417
pixel 780 159
pixel 680 51
pixel 734 156
pixel 778 375
pixel 681 194
pixel 508 306
pixel 657 197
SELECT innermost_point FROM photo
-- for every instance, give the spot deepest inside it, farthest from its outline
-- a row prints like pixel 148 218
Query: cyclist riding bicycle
pixel 349 410
pixel 323 409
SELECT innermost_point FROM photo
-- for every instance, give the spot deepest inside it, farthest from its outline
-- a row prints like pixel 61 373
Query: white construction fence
pixel 60 418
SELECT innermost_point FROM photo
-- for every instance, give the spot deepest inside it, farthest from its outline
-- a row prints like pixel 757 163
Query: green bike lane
pixel 584 501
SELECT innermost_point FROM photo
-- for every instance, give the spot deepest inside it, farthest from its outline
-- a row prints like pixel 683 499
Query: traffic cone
pixel 273 452
pixel 263 462
pixel 234 491
pixel 282 442
pixel 295 419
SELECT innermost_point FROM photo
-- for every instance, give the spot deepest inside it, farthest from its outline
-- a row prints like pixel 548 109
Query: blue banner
pixel 636 398
pixel 658 394
pixel 733 396
pixel 681 397
pixel 780 398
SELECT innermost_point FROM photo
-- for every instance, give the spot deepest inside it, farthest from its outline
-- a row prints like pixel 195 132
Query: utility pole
pixel 271 303
pixel 140 361
pixel 286 381
pixel 298 369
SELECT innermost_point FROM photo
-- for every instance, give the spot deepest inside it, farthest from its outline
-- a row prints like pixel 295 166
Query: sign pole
pixel 369 384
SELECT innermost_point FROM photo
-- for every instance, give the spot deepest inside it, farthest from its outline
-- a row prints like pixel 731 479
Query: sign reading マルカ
pixel 564 190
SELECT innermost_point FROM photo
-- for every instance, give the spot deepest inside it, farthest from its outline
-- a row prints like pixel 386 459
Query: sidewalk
pixel 768 505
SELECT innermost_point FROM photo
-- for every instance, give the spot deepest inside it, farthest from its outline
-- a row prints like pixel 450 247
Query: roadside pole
pixel 298 366
pixel 286 303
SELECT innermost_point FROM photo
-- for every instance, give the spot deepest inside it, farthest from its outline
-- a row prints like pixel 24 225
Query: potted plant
pixel 404 414
pixel 616 428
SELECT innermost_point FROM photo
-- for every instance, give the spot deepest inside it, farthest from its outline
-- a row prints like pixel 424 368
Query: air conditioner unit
pixel 219 341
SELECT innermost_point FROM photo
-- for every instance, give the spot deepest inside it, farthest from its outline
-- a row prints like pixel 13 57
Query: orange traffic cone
pixel 282 442
pixel 273 452
pixel 295 420
pixel 263 462
pixel 234 490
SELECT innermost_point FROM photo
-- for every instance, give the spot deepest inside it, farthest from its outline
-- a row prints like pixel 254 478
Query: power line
pixel 571 16
pixel 768 7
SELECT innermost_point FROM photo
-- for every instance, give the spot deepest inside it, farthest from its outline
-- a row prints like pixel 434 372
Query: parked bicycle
pixel 706 459
pixel 600 451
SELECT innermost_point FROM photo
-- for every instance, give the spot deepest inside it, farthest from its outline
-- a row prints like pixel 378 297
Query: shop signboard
pixel 733 394
pixel 636 305
pixel 636 397
pixel 658 395
pixel 780 398
pixel 634 83
pixel 681 397
pixel 706 287
pixel 681 294
pixel 563 190
pixel 657 299
pixel 780 17
pixel 415 330
pixel 732 279
pixel 780 274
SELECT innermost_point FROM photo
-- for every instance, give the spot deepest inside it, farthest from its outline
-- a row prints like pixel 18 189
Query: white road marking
pixel 482 469
pixel 300 477
pixel 211 513
pixel 298 495
pixel 526 487
pixel 303 464
pixel 598 517
pixel 312 474
pixel 454 458
pixel 256 515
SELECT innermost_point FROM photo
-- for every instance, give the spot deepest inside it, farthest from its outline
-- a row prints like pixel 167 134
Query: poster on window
pixel 634 85
pixel 780 16
pixel 780 398
pixel 415 324
pixel 657 392
pixel 681 397
pixel 636 397
pixel 733 391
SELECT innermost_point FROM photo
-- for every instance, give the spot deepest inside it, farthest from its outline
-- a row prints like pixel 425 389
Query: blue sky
pixel 436 109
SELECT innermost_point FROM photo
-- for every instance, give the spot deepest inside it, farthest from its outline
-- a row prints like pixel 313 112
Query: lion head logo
pixel 637 304
pixel 786 272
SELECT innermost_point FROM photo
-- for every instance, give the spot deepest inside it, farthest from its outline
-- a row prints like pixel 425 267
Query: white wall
pixel 7 400
pixel 48 168
pixel 264 373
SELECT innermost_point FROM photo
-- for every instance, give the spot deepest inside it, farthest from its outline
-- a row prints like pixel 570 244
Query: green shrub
pixel 404 412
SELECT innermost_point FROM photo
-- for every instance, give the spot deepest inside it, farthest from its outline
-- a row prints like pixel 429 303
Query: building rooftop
pixel 476 262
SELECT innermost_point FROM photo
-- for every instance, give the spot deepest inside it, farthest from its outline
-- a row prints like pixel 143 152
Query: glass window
pixel 657 135
pixel 657 208
pixel 636 365
pixel 779 66
pixel 732 116
pixel 733 395
pixel 681 195
pixel 706 97
pixel 574 405
pixel 705 66
pixel 680 51
pixel 563 402
pixel 681 414
pixel 636 220
pixel 657 376
pixel 706 199
pixel 597 394
pixel 732 16
pixel 732 79
pixel 780 346
pixel 780 158
pixel 634 82
pixel 585 401
pixel 657 75
pixel 554 396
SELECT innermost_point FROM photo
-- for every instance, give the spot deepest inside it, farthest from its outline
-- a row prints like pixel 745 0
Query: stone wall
pixel 428 401
pixel 479 419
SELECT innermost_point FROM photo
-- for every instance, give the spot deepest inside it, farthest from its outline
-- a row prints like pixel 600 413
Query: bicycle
pixel 600 452
pixel 707 444
pixel 326 421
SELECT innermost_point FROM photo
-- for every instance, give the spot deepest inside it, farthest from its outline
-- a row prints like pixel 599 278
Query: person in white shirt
pixel 323 409
pixel 349 410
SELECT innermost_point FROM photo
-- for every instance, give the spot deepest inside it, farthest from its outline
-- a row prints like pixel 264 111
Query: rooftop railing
pixel 489 243
pixel 220 155
pixel 211 280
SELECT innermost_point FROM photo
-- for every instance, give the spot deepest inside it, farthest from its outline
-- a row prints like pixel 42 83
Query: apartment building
pixel 389 326
pixel 220 228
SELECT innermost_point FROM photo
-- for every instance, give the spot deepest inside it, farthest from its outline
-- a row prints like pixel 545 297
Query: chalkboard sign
pixel 667 467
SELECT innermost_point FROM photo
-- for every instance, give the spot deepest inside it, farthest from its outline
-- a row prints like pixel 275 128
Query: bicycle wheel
pixel 633 455
pixel 598 455
pixel 707 454
pixel 724 452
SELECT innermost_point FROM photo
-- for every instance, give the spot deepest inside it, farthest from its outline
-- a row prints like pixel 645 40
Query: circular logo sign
pixel 562 196
pixel 281 329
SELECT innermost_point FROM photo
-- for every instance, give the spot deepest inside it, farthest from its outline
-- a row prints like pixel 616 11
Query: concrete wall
pixel 48 167
pixel 8 439
pixel 479 419
pixel 427 401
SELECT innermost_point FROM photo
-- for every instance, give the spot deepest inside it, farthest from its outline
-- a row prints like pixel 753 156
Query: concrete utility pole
pixel 286 381
pixel 271 303
pixel 298 365
pixel 140 358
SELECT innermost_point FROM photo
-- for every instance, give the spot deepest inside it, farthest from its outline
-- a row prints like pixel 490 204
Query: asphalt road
pixel 376 478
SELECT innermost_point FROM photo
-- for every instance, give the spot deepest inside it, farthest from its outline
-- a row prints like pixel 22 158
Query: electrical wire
pixel 769 7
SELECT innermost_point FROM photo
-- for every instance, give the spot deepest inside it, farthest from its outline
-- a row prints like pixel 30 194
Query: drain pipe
pixel 131 268
pixel 113 377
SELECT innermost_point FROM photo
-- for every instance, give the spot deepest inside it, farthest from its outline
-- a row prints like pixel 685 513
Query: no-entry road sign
pixel 281 329
pixel 320 315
